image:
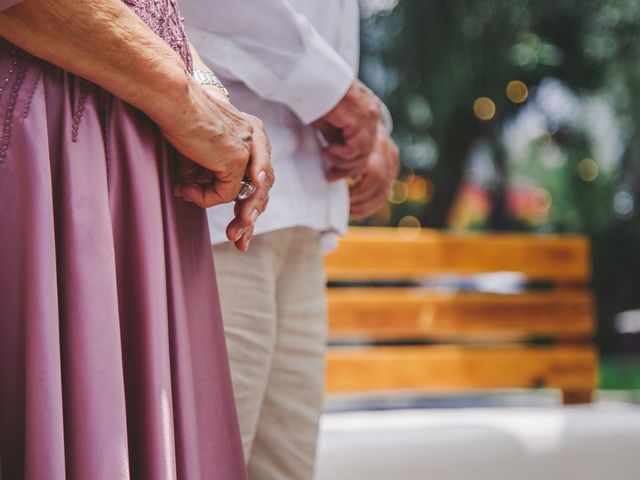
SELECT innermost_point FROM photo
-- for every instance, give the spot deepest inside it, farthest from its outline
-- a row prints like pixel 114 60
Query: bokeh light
pixel 541 200
pixel 588 169
pixel 409 227
pixel 484 108
pixel 410 175
pixel 517 91
pixel 624 205
pixel 419 112
pixel 421 190
pixel 422 153
pixel 399 192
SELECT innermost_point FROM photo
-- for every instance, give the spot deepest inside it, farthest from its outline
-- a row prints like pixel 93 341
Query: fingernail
pixel 262 176
pixel 246 246
pixel 254 217
pixel 177 192
pixel 239 235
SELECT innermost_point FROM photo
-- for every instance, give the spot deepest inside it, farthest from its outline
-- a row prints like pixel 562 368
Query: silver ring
pixel 246 189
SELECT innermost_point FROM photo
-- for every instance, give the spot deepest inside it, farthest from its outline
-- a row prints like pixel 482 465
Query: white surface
pixel 600 442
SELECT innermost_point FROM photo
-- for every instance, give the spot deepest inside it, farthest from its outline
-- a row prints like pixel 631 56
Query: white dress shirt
pixel 288 63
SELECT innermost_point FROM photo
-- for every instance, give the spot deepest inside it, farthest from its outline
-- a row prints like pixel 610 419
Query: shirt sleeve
pixel 273 50
pixel 4 4
pixel 387 119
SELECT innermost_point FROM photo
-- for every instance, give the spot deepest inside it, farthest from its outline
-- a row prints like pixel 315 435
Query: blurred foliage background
pixel 521 115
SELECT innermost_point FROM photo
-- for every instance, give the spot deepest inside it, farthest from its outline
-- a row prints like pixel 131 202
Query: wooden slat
pixel 381 253
pixel 569 368
pixel 403 313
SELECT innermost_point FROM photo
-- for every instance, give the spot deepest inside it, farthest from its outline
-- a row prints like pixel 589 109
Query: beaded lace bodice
pixel 20 72
pixel 163 17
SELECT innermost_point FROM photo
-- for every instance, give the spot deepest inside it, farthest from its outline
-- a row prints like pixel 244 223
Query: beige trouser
pixel 274 312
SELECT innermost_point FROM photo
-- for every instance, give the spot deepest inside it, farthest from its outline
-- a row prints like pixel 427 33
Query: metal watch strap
pixel 206 77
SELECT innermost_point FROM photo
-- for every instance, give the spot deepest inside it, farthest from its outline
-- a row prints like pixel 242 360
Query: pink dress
pixel 112 356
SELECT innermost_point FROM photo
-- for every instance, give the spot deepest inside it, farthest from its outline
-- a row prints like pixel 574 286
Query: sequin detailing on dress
pixel 37 73
pixel 20 62
pixel 4 84
pixel 79 111
pixel 163 17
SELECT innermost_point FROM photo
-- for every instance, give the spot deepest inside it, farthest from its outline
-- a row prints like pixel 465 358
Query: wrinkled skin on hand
pixel 350 129
pixel 370 193
pixel 219 147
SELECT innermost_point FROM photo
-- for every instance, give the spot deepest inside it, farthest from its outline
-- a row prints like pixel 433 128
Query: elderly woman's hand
pixel 240 230
pixel 214 134
pixel 228 145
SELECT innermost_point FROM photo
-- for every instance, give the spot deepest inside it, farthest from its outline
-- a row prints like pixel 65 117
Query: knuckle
pixel 246 128
pixel 245 217
pixel 247 138
pixel 255 122
pixel 240 160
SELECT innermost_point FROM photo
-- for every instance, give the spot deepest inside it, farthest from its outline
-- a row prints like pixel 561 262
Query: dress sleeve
pixel 4 4
pixel 273 50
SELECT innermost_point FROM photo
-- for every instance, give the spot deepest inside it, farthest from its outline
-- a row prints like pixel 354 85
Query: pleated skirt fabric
pixel 112 356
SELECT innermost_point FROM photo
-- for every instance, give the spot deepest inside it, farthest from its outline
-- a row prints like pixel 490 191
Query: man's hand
pixel 382 167
pixel 350 129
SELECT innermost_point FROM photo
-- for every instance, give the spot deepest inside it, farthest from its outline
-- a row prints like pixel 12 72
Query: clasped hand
pixel 222 146
pixel 360 149
pixel 350 129
pixel 370 192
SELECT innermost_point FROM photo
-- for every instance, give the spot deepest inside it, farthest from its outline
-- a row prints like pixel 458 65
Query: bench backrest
pixel 383 254
pixel 415 334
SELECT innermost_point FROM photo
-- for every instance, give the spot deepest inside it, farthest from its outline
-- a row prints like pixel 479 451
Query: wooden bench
pixel 410 337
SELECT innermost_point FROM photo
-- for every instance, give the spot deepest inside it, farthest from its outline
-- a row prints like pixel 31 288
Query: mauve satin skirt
pixel 112 356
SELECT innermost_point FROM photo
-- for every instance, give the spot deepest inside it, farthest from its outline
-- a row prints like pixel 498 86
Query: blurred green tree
pixel 443 67
pixel 442 55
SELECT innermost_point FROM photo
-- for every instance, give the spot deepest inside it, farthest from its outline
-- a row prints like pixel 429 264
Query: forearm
pixel 198 63
pixel 106 43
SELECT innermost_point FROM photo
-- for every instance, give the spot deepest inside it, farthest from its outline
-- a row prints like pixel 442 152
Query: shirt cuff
pixel 317 83
pixel 387 119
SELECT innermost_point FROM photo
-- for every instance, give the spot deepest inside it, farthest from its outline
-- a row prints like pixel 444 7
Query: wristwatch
pixel 207 77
